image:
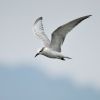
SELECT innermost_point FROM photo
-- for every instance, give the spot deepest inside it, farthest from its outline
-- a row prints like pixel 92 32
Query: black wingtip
pixel 89 16
pixel 78 20
pixel 85 17
pixel 40 18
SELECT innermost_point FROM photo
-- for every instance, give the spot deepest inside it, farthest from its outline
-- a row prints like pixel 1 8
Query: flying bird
pixel 52 49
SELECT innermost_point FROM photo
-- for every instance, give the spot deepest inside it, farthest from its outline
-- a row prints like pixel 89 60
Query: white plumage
pixel 53 49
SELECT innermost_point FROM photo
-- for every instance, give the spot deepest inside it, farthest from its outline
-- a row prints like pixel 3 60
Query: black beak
pixel 37 54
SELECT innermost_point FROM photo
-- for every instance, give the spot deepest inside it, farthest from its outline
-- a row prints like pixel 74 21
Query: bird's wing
pixel 39 31
pixel 58 36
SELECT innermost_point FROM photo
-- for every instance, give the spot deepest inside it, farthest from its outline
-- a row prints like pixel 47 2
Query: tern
pixel 52 49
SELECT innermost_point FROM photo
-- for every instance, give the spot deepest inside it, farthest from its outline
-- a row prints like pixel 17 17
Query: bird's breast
pixel 51 54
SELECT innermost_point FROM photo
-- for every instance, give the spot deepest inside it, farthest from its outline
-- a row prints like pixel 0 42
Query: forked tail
pixel 68 57
pixel 65 57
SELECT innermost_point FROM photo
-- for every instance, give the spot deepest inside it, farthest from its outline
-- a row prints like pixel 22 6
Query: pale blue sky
pixel 28 83
pixel 19 44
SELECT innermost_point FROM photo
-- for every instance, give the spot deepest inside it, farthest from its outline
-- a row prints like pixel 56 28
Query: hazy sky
pixel 31 84
pixel 19 44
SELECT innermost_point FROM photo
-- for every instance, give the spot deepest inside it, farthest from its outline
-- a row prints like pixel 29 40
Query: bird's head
pixel 39 52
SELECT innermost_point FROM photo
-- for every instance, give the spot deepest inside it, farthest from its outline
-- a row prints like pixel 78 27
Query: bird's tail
pixel 68 57
pixel 65 57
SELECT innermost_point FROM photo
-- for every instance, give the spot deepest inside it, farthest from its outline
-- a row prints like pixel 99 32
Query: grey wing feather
pixel 39 31
pixel 58 36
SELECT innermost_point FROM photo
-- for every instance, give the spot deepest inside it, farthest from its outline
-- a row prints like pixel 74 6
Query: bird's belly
pixel 52 54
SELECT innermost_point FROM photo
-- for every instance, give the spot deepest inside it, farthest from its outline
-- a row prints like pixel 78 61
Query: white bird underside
pixel 58 36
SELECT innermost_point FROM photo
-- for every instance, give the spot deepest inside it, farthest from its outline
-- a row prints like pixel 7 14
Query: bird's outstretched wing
pixel 58 36
pixel 39 31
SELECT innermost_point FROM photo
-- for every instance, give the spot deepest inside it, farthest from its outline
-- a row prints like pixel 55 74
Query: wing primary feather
pixel 58 36
pixel 39 31
pixel 40 18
